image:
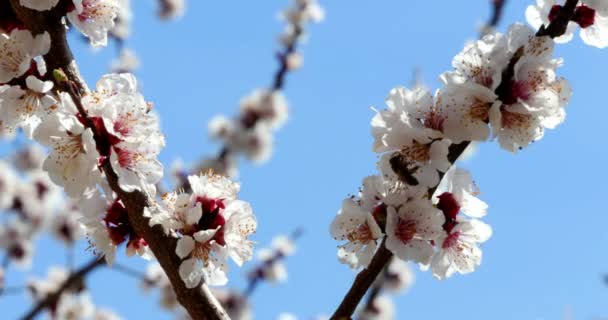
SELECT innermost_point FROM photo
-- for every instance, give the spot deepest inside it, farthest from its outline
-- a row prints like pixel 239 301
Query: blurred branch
pixel 497 13
pixel 74 279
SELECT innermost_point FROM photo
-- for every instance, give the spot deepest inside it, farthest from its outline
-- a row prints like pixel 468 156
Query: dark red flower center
pixel 584 16
pixel 212 217
pixel 554 12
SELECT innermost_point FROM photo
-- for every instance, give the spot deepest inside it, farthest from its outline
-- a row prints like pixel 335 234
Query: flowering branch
pixel 199 302
pixel 59 56
pixel 263 112
pixel 362 282
pixel 558 26
pixel 401 165
pixel 75 278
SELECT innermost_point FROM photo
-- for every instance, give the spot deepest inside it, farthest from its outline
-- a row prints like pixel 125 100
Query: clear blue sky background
pixel 548 203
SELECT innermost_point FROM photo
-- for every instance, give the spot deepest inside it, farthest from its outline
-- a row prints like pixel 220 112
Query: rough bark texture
pixel 199 302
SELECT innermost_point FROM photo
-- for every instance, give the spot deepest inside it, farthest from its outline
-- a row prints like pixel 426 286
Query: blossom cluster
pixel 211 224
pixel 265 110
pixel 128 137
pixel 271 267
pixel 420 206
pixel 114 128
pixel 32 205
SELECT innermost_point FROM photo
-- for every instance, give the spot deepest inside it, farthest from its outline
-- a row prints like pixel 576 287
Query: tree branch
pixel 497 12
pixel 59 56
pixel 199 302
pixel 558 26
pixel 362 282
pixel 366 278
pixel 75 278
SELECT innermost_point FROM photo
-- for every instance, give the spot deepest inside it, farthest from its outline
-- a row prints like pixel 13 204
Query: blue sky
pixel 547 203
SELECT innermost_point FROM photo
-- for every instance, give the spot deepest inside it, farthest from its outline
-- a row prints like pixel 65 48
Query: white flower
pixel 65 224
pixel 214 225
pixel 590 15
pixel 102 314
pixel 383 308
pixel 126 62
pixel 263 106
pixel 467 111
pixel 8 184
pixel 411 228
pixel 172 9
pixel 122 23
pixel 94 18
pixel 17 50
pixel 459 251
pixel 534 98
pixel 271 266
pixel 74 307
pixel 27 107
pixel 130 131
pixel 106 223
pixel 72 162
pixel 480 62
pixel 236 305
pixel 16 239
pixel 40 289
pixel 412 126
pixel 361 232
pixel 40 5
pixel 304 11
pixel 29 158
pixel 458 186
pixel 399 276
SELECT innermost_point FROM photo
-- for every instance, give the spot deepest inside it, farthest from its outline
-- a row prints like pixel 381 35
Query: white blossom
pixel 17 50
pixel 107 225
pixel 411 228
pixel 27 107
pixel 459 251
pixel 411 128
pixel 94 18
pixel 72 162
pixel 213 225
pixel 361 232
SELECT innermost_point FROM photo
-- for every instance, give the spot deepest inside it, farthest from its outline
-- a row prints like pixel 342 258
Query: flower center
pixel 479 111
pixel 451 240
pixel 433 120
pixel 212 217
pixel 584 16
pixel 405 231
pixel 361 234
pixel 449 205
pixel 417 152
pixel 511 120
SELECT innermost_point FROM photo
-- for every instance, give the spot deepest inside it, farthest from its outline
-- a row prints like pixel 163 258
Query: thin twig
pixel 128 271
pixel 497 13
